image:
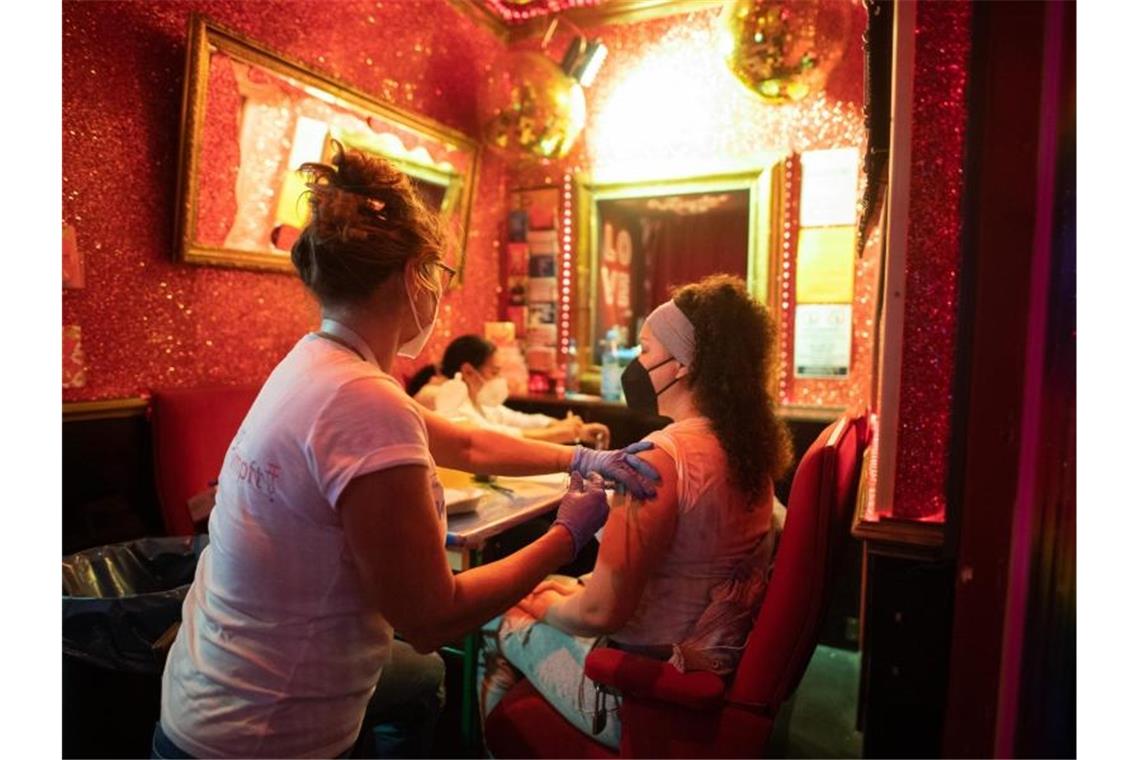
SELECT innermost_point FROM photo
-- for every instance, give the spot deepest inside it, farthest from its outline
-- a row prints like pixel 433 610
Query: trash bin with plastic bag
pixel 121 608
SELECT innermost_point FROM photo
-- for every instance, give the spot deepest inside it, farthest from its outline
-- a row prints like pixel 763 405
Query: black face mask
pixel 640 395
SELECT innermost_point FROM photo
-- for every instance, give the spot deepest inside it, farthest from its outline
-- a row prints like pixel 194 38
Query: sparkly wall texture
pixel 148 322
pixel 664 104
pixel 942 49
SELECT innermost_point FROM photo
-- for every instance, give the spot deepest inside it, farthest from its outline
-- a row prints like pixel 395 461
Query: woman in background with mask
pixel 678 575
pixel 328 529
pixel 475 392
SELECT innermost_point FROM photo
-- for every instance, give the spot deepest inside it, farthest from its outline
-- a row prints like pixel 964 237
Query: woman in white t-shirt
pixel 328 530
pixel 476 394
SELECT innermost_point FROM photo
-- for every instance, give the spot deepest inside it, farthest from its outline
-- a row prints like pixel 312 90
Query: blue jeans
pixel 401 717
pixel 399 721
pixel 162 748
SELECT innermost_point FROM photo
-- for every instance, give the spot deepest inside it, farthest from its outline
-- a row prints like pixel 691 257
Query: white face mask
pixel 451 395
pixel 494 392
pixel 412 348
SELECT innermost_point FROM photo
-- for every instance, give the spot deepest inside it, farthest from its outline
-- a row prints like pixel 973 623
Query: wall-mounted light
pixel 583 58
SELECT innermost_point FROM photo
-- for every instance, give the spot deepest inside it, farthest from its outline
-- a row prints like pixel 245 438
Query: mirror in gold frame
pixel 638 240
pixel 251 116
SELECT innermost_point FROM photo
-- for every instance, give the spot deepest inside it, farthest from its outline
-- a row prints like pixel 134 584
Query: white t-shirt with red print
pixel 279 650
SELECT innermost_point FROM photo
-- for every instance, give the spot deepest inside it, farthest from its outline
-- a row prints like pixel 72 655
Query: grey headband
pixel 670 326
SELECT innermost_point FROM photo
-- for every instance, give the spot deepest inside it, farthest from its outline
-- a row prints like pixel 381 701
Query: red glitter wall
pixel 147 322
pixel 942 48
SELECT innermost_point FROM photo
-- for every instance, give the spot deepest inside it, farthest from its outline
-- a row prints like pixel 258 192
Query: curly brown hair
pixel 366 222
pixel 732 364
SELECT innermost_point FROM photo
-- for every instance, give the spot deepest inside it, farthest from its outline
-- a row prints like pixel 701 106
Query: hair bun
pixel 365 223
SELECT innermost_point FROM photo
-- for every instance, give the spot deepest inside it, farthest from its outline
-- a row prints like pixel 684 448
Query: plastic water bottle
pixel 611 367
pixel 572 367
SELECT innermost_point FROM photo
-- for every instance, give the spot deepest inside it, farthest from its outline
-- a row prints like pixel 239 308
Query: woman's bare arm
pixel 558 432
pixel 636 537
pixel 463 447
pixel 394 536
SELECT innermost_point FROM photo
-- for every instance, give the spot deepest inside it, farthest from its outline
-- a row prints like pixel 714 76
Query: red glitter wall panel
pixel 942 48
pixel 149 322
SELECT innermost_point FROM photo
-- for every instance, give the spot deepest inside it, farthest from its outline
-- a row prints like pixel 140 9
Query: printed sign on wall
pixel 829 188
pixel 614 278
pixel 73 275
pixel 823 340
pixel 825 265
pixel 74 364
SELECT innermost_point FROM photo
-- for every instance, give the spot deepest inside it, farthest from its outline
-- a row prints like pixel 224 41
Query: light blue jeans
pixel 515 646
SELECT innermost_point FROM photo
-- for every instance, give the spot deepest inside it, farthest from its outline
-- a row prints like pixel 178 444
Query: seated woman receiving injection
pixel 678 575
pixel 476 394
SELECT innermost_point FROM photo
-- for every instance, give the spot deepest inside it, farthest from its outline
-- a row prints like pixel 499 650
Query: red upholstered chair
pixel 666 713
pixel 192 429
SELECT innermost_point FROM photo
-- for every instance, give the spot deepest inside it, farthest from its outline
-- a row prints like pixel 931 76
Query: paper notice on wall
pixel 74 363
pixel 542 313
pixel 539 334
pixel 73 274
pixel 541 265
pixel 542 241
pixel 542 289
pixel 825 265
pixel 615 268
pixel 829 187
pixel 823 341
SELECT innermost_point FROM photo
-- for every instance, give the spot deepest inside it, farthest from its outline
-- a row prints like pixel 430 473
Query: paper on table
pixel 557 479
pixel 460 500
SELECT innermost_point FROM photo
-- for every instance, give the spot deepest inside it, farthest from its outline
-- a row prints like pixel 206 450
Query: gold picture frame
pixel 429 152
pixel 763 186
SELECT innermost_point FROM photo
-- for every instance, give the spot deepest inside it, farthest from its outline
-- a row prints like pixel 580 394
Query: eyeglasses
pixel 447 276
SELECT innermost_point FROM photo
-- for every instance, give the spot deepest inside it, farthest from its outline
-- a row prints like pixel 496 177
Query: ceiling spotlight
pixel 583 58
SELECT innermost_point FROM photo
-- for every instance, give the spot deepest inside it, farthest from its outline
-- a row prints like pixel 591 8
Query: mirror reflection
pixel 255 117
pixel 645 250
pixel 641 240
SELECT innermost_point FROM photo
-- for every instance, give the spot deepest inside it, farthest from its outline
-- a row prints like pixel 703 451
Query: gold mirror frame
pixel 763 186
pixel 205 36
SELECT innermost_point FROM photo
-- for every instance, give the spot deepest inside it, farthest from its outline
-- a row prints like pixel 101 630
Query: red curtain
pixel 679 249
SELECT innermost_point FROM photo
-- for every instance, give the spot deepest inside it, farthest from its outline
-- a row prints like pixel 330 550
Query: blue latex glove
pixel 584 509
pixel 621 466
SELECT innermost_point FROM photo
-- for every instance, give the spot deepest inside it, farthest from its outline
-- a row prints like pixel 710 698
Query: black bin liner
pixel 119 600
